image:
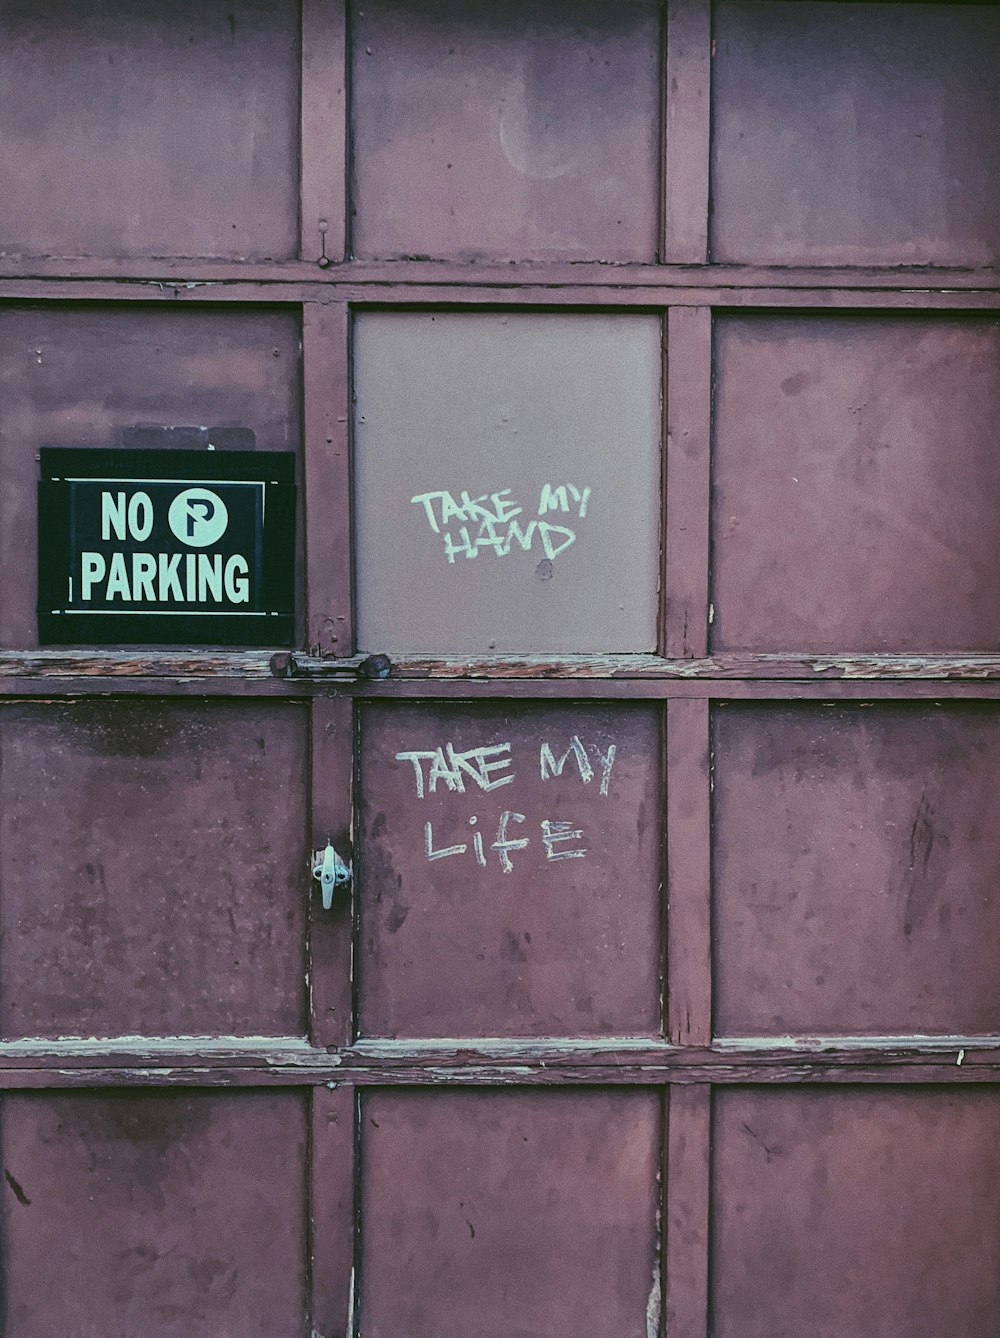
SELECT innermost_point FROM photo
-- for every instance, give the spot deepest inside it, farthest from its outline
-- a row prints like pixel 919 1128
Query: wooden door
pixel 640 363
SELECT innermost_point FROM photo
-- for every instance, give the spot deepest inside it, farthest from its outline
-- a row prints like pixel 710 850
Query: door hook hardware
pixel 330 871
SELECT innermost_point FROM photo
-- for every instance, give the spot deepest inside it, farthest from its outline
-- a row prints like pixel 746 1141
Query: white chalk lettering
pixel 476 764
pixel 433 854
pixel 503 843
pixel 477 843
pixel 440 770
pixel 550 767
pixel 487 522
pixel 448 766
pixel 554 831
pixel 416 758
pixel 557 499
pixel 489 767
pixel 550 549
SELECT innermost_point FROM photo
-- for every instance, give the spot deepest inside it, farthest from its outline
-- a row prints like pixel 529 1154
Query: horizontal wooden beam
pixel 759 666
pixel 57 687
pixel 266 666
pixel 179 273
pixel 538 291
pixel 500 1062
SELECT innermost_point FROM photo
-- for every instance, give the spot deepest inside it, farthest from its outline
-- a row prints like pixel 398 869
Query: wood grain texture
pixel 689 890
pixel 332 1141
pixel 302 669
pixel 131 1061
pixel 327 486
pixel 323 150
pixel 687 137
pixel 687 1211
pixel 606 288
pixel 331 931
pixel 171 274
pixel 689 429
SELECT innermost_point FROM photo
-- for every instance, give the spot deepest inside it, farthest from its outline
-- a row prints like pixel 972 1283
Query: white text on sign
pixel 197 517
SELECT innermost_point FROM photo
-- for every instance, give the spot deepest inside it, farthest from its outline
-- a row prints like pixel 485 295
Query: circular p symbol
pixel 198 517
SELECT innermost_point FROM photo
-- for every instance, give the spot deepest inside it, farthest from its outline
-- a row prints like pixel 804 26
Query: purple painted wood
pixel 687 132
pixel 479 916
pixel 689 874
pixel 490 1214
pixel 323 174
pixel 861 499
pixel 870 438
pixel 685 633
pixel 855 855
pixel 80 376
pixel 331 932
pixel 688 1170
pixel 332 1210
pixel 170 129
pixel 327 483
pixel 521 132
pixel 173 1215
pixel 152 868
pixel 851 1213
pixel 855 133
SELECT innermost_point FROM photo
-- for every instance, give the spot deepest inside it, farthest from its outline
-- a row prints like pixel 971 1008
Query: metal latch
pixel 330 871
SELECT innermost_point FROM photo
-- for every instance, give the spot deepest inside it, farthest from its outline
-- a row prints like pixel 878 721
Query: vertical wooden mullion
pixel 331 931
pixel 331 1210
pixel 323 148
pixel 688 427
pixel 687 139
pixel 688 1188
pixel 689 890
pixel 327 490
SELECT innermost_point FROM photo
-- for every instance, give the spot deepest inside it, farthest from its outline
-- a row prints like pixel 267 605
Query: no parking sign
pixel 166 547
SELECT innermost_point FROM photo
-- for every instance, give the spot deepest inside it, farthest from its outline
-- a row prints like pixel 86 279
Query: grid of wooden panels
pixel 717 286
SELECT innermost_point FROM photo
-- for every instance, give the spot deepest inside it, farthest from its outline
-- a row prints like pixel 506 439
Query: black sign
pixel 169 547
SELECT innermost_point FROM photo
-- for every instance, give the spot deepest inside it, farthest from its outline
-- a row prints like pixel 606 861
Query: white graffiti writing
pixel 489 767
pixel 489 523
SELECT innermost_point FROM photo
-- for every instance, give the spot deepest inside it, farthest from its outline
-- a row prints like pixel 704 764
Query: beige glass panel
pixel 507 482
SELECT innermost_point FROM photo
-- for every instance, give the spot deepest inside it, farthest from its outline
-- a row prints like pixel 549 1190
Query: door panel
pixel 153 869
pixel 491 1214
pixel 88 376
pixel 856 853
pixel 517 891
pixel 526 132
pixel 855 133
pixel 551 426
pixel 849 1213
pixel 871 436
pixel 169 128
pixel 171 1215
pixel 439 1106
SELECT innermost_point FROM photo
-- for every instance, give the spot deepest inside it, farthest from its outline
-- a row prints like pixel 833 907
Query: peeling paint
pixel 654 1305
